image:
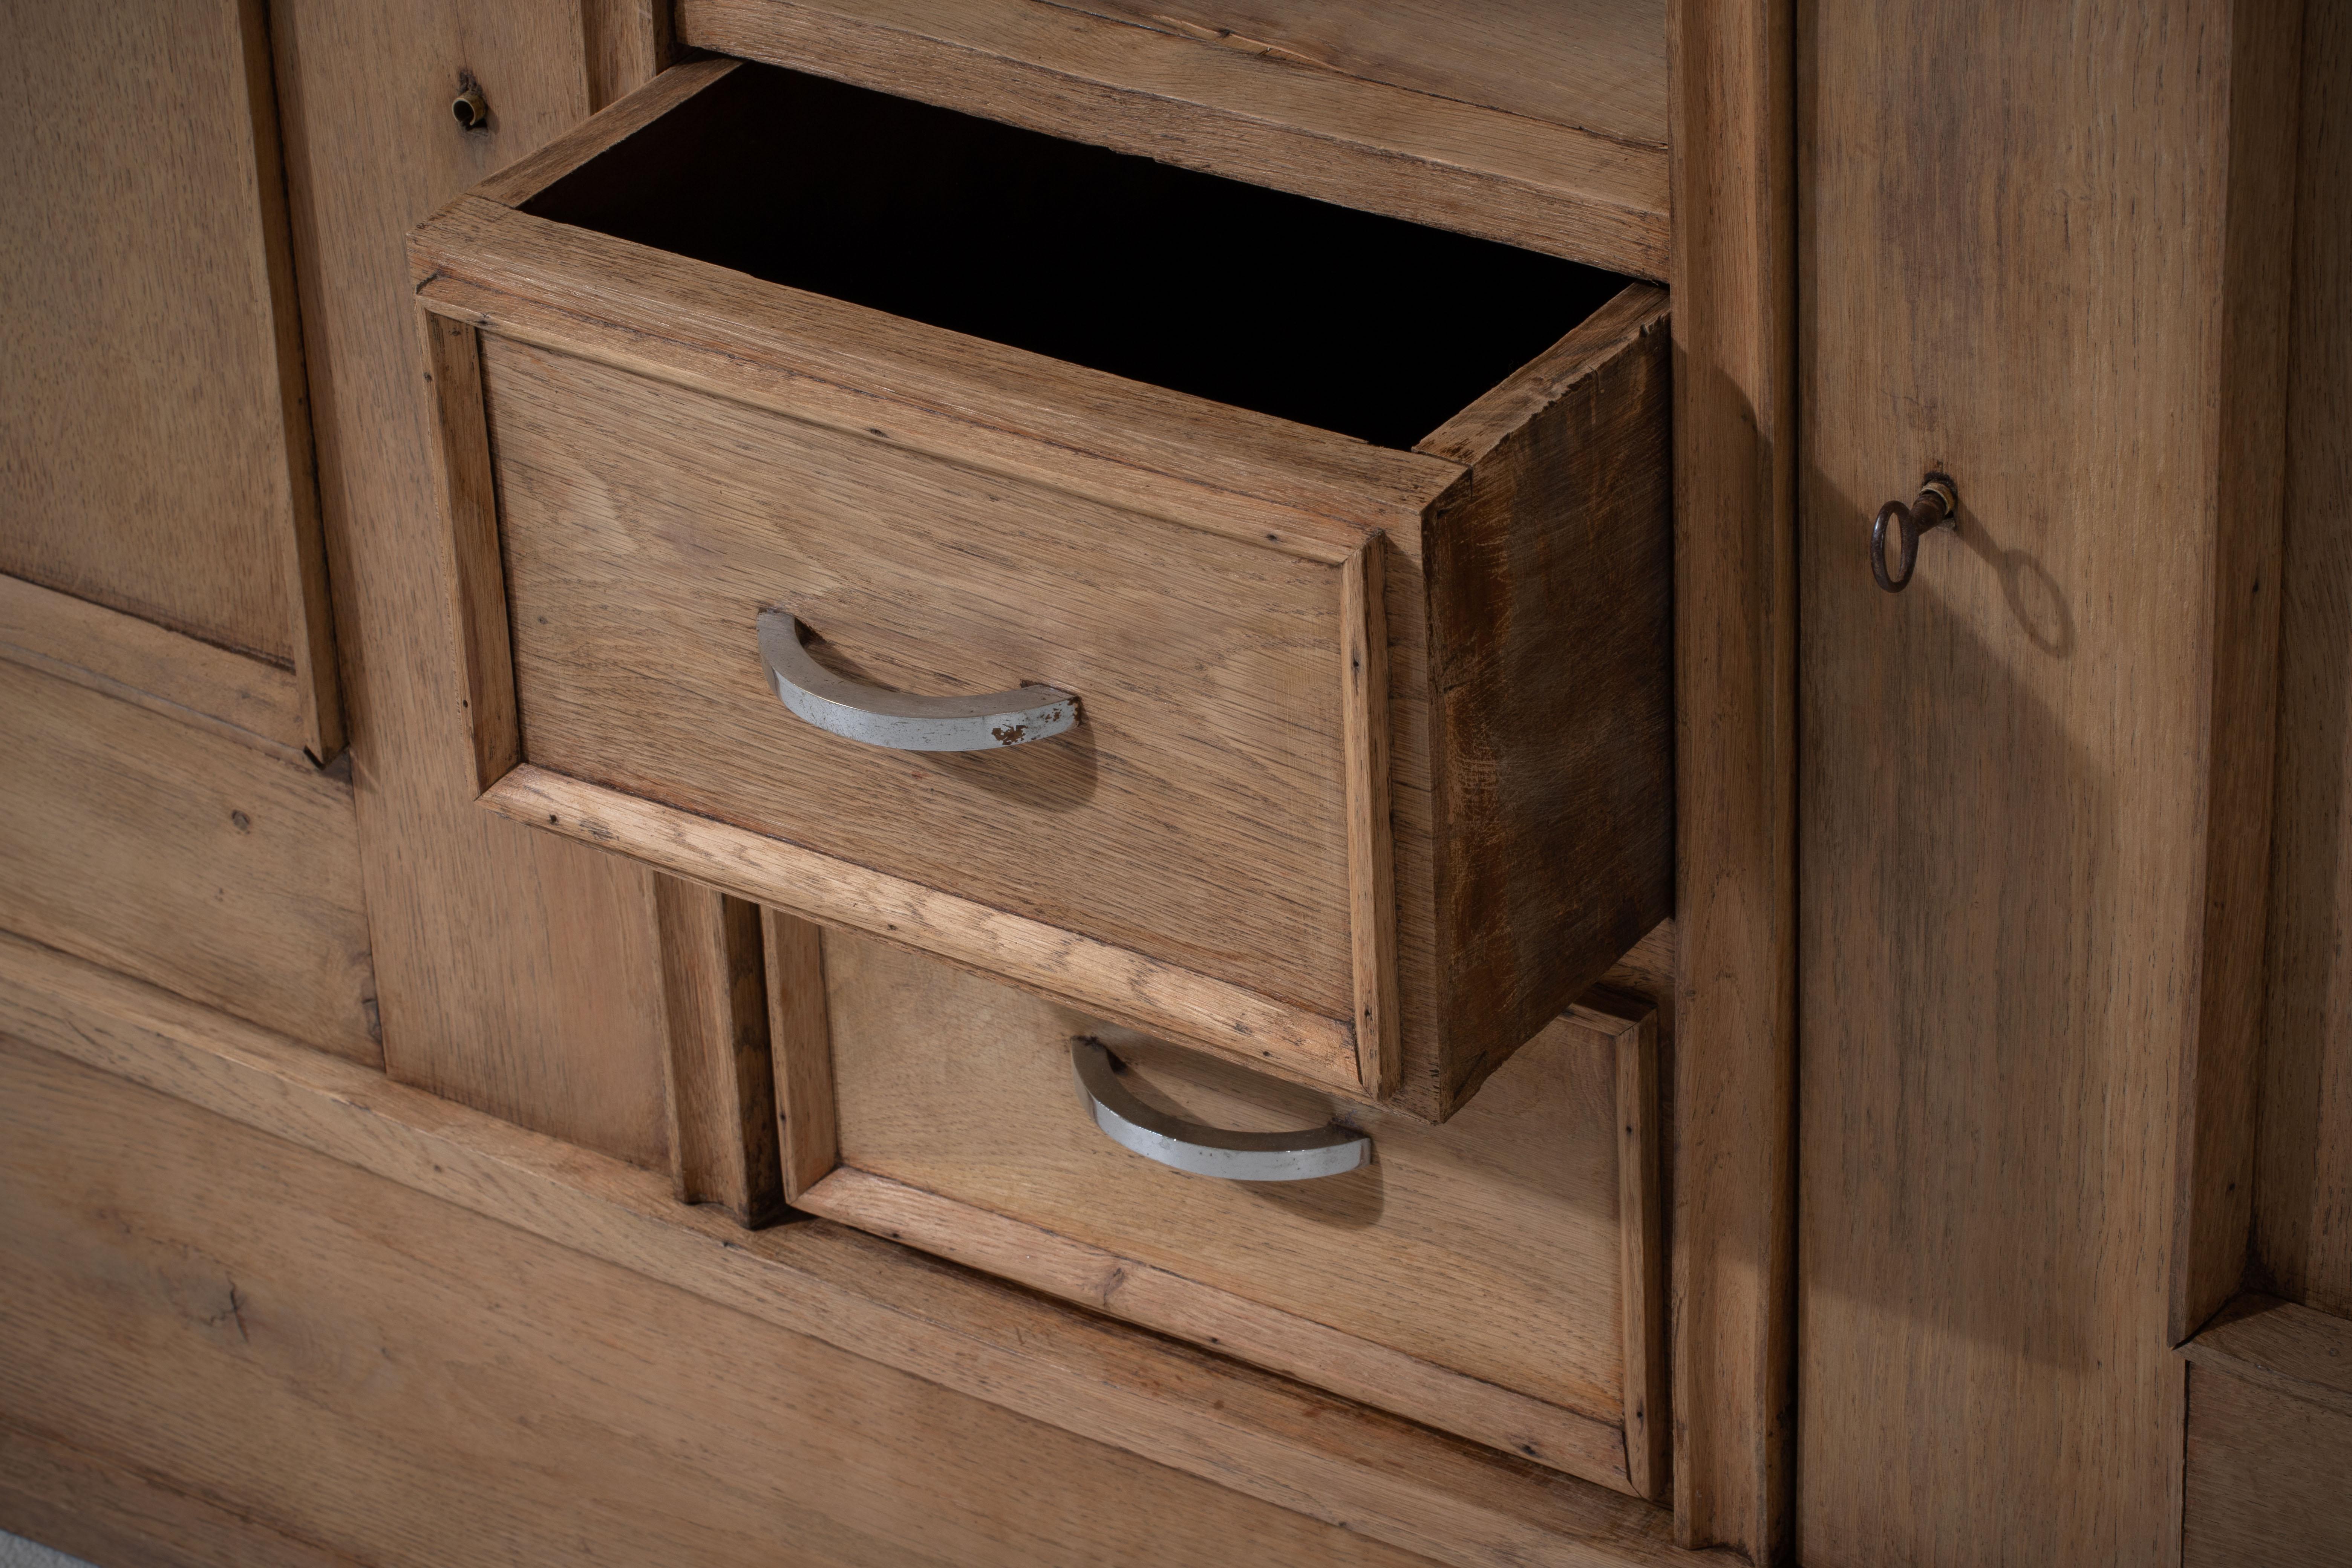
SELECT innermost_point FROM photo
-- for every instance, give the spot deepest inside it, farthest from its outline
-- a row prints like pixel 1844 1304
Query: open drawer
pixel 1289 586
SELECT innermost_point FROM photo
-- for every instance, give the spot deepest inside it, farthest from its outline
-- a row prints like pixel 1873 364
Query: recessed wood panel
pixel 155 429
pixel 184 858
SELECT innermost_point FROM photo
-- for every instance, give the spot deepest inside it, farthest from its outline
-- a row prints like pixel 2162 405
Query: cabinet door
pixel 2039 249
pixel 155 437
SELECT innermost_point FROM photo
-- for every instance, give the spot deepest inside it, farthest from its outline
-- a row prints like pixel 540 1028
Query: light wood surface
pixel 1734 1018
pixel 1551 712
pixel 1596 195
pixel 152 666
pixel 478 581
pixel 1372 848
pixel 184 858
pixel 1599 64
pixel 2303 1179
pixel 803 1074
pixel 1490 1246
pixel 1264 1436
pixel 2282 1345
pixel 157 447
pixel 644 532
pixel 2270 1438
pixel 2221 1075
pixel 1643 1311
pixel 1172 1303
pixel 329 1352
pixel 1120 985
pixel 722 1096
pixel 515 973
pixel 1538 784
pixel 93 1507
pixel 2006 797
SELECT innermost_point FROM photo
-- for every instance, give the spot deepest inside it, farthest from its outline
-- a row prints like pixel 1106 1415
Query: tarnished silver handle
pixel 1202 1149
pixel 900 719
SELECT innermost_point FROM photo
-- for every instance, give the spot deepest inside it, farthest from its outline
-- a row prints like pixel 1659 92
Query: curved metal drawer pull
pixel 900 719
pixel 1208 1150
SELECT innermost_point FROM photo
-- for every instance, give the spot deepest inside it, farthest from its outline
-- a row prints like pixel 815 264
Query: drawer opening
pixel 1349 322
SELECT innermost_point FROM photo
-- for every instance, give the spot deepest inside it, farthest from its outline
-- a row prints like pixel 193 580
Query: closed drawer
pixel 1495 1277
pixel 1343 541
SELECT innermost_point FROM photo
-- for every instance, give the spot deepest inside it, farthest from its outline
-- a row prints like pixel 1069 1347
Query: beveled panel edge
pixel 1571 1441
pixel 1115 983
pixel 1372 851
pixel 153 666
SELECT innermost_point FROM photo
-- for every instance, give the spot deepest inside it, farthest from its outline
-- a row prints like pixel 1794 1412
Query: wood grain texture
pixel 644 532
pixel 2302 1178
pixel 1489 1248
pixel 1371 850
pixel 2265 1479
pixel 184 858
pixel 96 1508
pixel 626 43
pixel 2007 828
pixel 1594 195
pixel 142 318
pixel 477 574
pixel 1172 1303
pixel 2282 1345
pixel 332 1354
pixel 2270 1438
pixel 1121 984
pixel 1551 750
pixel 1633 1028
pixel 1260 1436
pixel 1526 856
pixel 2220 1076
pixel 722 1094
pixel 1734 1014
pixel 1597 65
pixel 800 1046
pixel 1225 470
pixel 515 973
pixel 152 665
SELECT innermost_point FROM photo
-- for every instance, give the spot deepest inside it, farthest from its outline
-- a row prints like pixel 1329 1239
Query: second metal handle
pixel 1203 1149
pixel 902 720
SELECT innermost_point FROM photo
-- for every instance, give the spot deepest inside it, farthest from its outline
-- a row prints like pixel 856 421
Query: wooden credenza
pixel 706 710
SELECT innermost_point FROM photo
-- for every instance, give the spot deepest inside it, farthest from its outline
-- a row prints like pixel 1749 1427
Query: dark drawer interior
pixel 1342 319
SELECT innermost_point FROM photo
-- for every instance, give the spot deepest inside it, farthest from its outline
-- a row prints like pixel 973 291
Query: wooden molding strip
pixel 2280 1345
pixel 1633 1023
pixel 718 1073
pixel 1264 1336
pixel 1372 854
pixel 1258 1433
pixel 161 669
pixel 1555 188
pixel 1110 982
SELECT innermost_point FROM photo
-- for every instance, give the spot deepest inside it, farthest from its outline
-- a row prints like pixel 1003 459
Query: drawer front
pixel 1198 812
pixel 1473 1276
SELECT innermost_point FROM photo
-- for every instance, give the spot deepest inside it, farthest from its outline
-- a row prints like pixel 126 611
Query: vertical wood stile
pixel 1733 278
pixel 1371 866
